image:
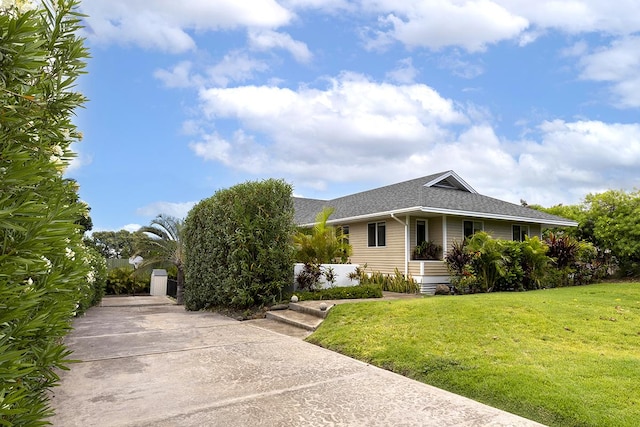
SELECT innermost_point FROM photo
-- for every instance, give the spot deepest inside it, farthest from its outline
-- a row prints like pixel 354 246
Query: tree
pixel 165 247
pixel 115 244
pixel 609 221
pixel 325 245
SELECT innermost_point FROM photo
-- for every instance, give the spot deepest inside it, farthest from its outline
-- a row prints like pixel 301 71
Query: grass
pixel 562 357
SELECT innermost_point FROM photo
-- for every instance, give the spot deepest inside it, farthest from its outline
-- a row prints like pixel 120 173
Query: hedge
pixel 238 246
pixel 46 274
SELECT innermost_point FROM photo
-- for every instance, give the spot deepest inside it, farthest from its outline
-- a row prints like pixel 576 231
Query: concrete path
pixel 158 365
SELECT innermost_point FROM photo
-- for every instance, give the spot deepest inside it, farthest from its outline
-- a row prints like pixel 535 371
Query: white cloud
pixel 328 6
pixel 619 65
pixel 268 39
pixel 360 130
pixel 436 24
pixel 404 73
pixel 179 210
pixel 455 62
pixel 178 77
pixel 80 160
pixel 164 24
pixel 353 128
pixel 131 228
pixel 574 17
pixel 235 67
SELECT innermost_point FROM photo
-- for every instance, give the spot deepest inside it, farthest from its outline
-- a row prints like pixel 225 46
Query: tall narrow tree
pixel 165 247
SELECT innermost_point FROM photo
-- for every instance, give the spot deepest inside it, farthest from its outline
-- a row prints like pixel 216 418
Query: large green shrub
pixel 238 246
pixel 43 274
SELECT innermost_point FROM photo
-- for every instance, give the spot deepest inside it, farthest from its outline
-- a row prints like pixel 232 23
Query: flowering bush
pixel 44 279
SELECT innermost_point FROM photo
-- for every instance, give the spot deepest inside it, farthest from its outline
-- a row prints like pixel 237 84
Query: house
pixel 385 224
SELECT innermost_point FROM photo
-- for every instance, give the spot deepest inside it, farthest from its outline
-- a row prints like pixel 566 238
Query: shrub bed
pixel 346 292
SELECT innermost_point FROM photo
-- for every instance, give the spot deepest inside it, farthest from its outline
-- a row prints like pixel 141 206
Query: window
pixel 519 232
pixel 377 234
pixel 421 231
pixel 471 227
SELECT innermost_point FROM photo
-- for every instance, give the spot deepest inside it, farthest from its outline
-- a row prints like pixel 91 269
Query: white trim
pixel 566 223
pixel 444 236
pixel 451 174
pixel 406 242
pixel 372 216
pixel 453 212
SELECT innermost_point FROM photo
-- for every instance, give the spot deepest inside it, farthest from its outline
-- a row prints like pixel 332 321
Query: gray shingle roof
pixel 413 194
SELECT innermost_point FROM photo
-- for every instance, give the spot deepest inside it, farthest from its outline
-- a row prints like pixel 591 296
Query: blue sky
pixel 524 100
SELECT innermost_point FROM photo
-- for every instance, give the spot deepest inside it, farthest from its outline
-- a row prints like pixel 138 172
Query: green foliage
pixel 238 246
pixel 561 357
pixel 95 282
pixel 390 283
pixel 309 277
pixel 483 264
pixel 44 277
pixel 125 281
pixel 164 249
pixel 116 244
pixel 488 261
pixel 342 292
pixel 324 245
pixel 534 262
pixel 427 250
pixel 608 220
pixel 457 259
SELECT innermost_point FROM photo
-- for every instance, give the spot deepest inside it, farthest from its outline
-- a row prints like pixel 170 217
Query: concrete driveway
pixel 145 362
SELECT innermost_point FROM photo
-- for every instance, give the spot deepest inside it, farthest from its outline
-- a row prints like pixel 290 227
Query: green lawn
pixel 562 357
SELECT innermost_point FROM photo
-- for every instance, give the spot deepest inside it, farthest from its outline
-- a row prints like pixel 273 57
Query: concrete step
pixel 279 327
pixel 312 308
pixel 296 318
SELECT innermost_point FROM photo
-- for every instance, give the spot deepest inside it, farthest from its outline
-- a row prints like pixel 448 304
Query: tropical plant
pixel 391 283
pixel 534 262
pixel 457 258
pixel 488 260
pixel 309 277
pixel 324 245
pixel 164 248
pixel 427 250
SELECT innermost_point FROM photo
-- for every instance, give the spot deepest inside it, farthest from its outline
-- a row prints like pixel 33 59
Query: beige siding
pixel 454 230
pixel 435 230
pixel 383 259
pixel 497 229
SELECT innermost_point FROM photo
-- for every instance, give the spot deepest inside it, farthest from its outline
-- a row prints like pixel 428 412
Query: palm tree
pixel 164 247
pixel 326 244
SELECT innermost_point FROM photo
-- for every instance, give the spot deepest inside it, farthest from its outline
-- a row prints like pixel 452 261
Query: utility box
pixel 158 282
